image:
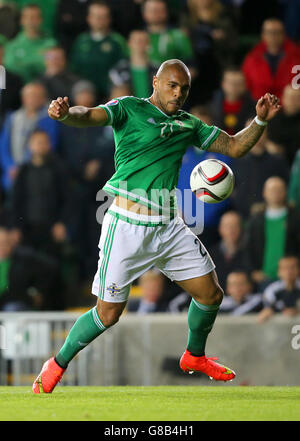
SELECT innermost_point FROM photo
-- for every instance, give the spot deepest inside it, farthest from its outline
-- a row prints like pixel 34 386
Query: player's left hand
pixel 267 107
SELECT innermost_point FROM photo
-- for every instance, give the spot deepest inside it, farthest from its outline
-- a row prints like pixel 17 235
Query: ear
pixel 155 82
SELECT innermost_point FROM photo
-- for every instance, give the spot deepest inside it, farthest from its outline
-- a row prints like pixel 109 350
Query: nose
pixel 177 93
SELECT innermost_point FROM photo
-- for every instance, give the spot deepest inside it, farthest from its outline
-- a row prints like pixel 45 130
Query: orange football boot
pixel 189 363
pixel 48 378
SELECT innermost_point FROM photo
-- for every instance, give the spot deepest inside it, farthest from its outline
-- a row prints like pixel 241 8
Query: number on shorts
pixel 202 252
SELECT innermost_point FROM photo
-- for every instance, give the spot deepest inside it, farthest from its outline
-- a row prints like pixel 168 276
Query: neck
pixel 30 113
pixel 232 98
pixel 138 60
pixel 51 71
pixel 275 206
pixel 155 101
pixel 230 247
pixel 258 151
pixel 38 160
pixel 156 28
pixel 274 50
pixel 32 33
pixel 102 32
pixel 287 112
pixel 290 285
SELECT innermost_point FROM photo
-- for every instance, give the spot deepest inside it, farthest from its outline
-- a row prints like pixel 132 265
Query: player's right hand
pixel 59 108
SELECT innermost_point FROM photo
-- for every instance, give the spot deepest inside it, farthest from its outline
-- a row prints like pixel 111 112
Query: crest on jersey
pixel 112 103
pixel 180 123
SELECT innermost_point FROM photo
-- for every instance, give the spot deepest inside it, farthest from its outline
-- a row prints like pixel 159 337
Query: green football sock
pixel 201 319
pixel 86 328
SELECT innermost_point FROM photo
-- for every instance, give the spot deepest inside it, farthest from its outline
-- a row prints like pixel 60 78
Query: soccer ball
pixel 212 181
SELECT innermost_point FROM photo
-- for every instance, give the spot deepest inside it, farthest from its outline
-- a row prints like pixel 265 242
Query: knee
pixel 213 296
pixel 108 318
pixel 218 295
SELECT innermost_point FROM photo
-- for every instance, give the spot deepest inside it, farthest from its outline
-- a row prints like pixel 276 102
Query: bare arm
pixel 77 116
pixel 265 315
pixel 239 144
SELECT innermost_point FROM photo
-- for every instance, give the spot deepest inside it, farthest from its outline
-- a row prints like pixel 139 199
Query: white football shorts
pixel 128 250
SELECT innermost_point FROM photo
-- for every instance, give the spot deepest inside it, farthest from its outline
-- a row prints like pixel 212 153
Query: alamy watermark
pixel 3 343
pixel 296 78
pixel 162 204
pixel 2 77
pixel 295 343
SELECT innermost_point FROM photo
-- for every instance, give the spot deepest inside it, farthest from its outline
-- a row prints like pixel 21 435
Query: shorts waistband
pixel 139 219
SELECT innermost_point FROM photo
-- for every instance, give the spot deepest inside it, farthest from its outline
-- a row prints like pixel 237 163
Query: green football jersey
pixel 149 150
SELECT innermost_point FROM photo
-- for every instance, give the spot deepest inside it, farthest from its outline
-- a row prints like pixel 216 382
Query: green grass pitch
pixel 161 403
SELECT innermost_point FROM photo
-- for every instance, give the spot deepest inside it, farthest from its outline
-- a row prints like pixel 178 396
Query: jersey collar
pixel 167 116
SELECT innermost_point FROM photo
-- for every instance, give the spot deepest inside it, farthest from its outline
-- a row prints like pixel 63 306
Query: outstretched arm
pixel 78 116
pixel 238 145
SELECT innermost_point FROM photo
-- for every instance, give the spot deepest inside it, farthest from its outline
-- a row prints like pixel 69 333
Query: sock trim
pixel 97 320
pixel 60 363
pixel 206 307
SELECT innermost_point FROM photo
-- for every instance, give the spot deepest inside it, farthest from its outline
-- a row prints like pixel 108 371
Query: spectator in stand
pixel 40 219
pixel 231 105
pixel 284 295
pixel 18 127
pixel 71 18
pixel 152 298
pixel 228 254
pixel 57 79
pixel 272 233
pixel 214 40
pixel 165 42
pixel 294 185
pixel 252 171
pixel 284 130
pixel 137 72
pixel 9 20
pixel 24 55
pixel 95 52
pixel 80 148
pixel 48 10
pixel 28 280
pixel 10 96
pixel 240 299
pixel 268 66
pixel 214 26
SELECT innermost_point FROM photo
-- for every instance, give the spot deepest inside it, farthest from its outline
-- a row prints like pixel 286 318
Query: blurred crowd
pixel 93 51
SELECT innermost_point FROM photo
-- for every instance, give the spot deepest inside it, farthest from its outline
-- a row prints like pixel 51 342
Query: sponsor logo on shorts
pixel 113 289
